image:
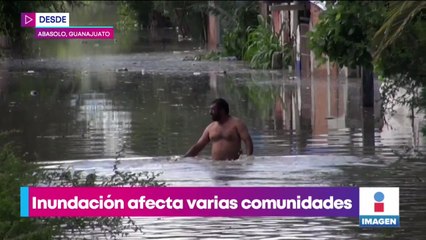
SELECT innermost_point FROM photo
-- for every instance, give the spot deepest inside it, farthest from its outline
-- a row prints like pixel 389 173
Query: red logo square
pixel 379 207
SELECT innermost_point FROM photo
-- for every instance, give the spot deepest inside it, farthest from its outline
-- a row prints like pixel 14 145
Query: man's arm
pixel 245 136
pixel 202 142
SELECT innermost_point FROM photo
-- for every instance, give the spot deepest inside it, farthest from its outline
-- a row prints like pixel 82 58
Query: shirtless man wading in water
pixel 225 133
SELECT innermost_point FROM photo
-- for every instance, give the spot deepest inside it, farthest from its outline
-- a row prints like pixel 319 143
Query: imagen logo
pixel 379 207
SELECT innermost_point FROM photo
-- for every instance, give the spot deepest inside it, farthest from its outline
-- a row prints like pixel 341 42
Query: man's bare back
pixel 225 133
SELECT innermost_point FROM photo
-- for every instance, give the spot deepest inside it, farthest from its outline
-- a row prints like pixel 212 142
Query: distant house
pixel 296 19
pixel 292 20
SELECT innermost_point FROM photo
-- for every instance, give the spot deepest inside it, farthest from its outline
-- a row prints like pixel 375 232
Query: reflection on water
pixel 250 228
pixel 104 123
pixel 301 170
pixel 153 115
pixel 309 132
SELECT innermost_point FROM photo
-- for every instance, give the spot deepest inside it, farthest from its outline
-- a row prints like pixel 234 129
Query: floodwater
pixel 82 112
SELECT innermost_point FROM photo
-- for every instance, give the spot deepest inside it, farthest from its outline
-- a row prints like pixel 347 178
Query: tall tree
pixel 394 33
pixel 345 30
pixel 344 34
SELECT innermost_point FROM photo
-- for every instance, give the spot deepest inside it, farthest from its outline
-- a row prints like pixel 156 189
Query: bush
pixel 234 42
pixel 15 172
pixel 262 43
pixel 237 19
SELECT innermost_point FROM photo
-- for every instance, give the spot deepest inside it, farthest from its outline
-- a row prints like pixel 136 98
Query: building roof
pixel 320 4
pixel 294 5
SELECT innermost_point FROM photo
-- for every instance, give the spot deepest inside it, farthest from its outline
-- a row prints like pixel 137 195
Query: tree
pixel 399 55
pixel 237 18
pixel 143 10
pixel 346 31
pixel 344 34
pixel 188 16
pixel 400 14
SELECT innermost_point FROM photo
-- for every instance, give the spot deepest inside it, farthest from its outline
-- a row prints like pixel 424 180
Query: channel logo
pixel 379 207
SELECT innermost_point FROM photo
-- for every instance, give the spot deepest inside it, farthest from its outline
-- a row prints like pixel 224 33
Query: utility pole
pixel 367 87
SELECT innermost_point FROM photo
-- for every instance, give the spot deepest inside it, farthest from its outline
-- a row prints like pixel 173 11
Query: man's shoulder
pixel 212 124
pixel 238 123
pixel 237 120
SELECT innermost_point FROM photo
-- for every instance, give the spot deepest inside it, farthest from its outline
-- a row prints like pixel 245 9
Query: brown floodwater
pixel 83 111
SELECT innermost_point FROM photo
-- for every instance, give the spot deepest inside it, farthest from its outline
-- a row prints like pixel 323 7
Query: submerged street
pixel 148 108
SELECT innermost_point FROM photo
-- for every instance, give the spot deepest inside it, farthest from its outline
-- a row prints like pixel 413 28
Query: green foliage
pixel 398 19
pixel 260 96
pixel 405 57
pixel 212 55
pixel 188 16
pixel 168 8
pixel 111 227
pixel 351 33
pixel 402 64
pixel 246 35
pixel 15 172
pixel 236 21
pixel 128 20
pixel 234 42
pixel 262 42
pixel 345 31
pixel 143 10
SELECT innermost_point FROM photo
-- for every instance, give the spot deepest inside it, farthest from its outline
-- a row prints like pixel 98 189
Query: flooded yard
pixel 84 112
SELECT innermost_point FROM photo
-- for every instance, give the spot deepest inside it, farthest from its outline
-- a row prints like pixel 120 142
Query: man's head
pixel 218 109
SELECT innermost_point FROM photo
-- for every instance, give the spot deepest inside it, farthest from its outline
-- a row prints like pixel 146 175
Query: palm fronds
pixel 400 14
